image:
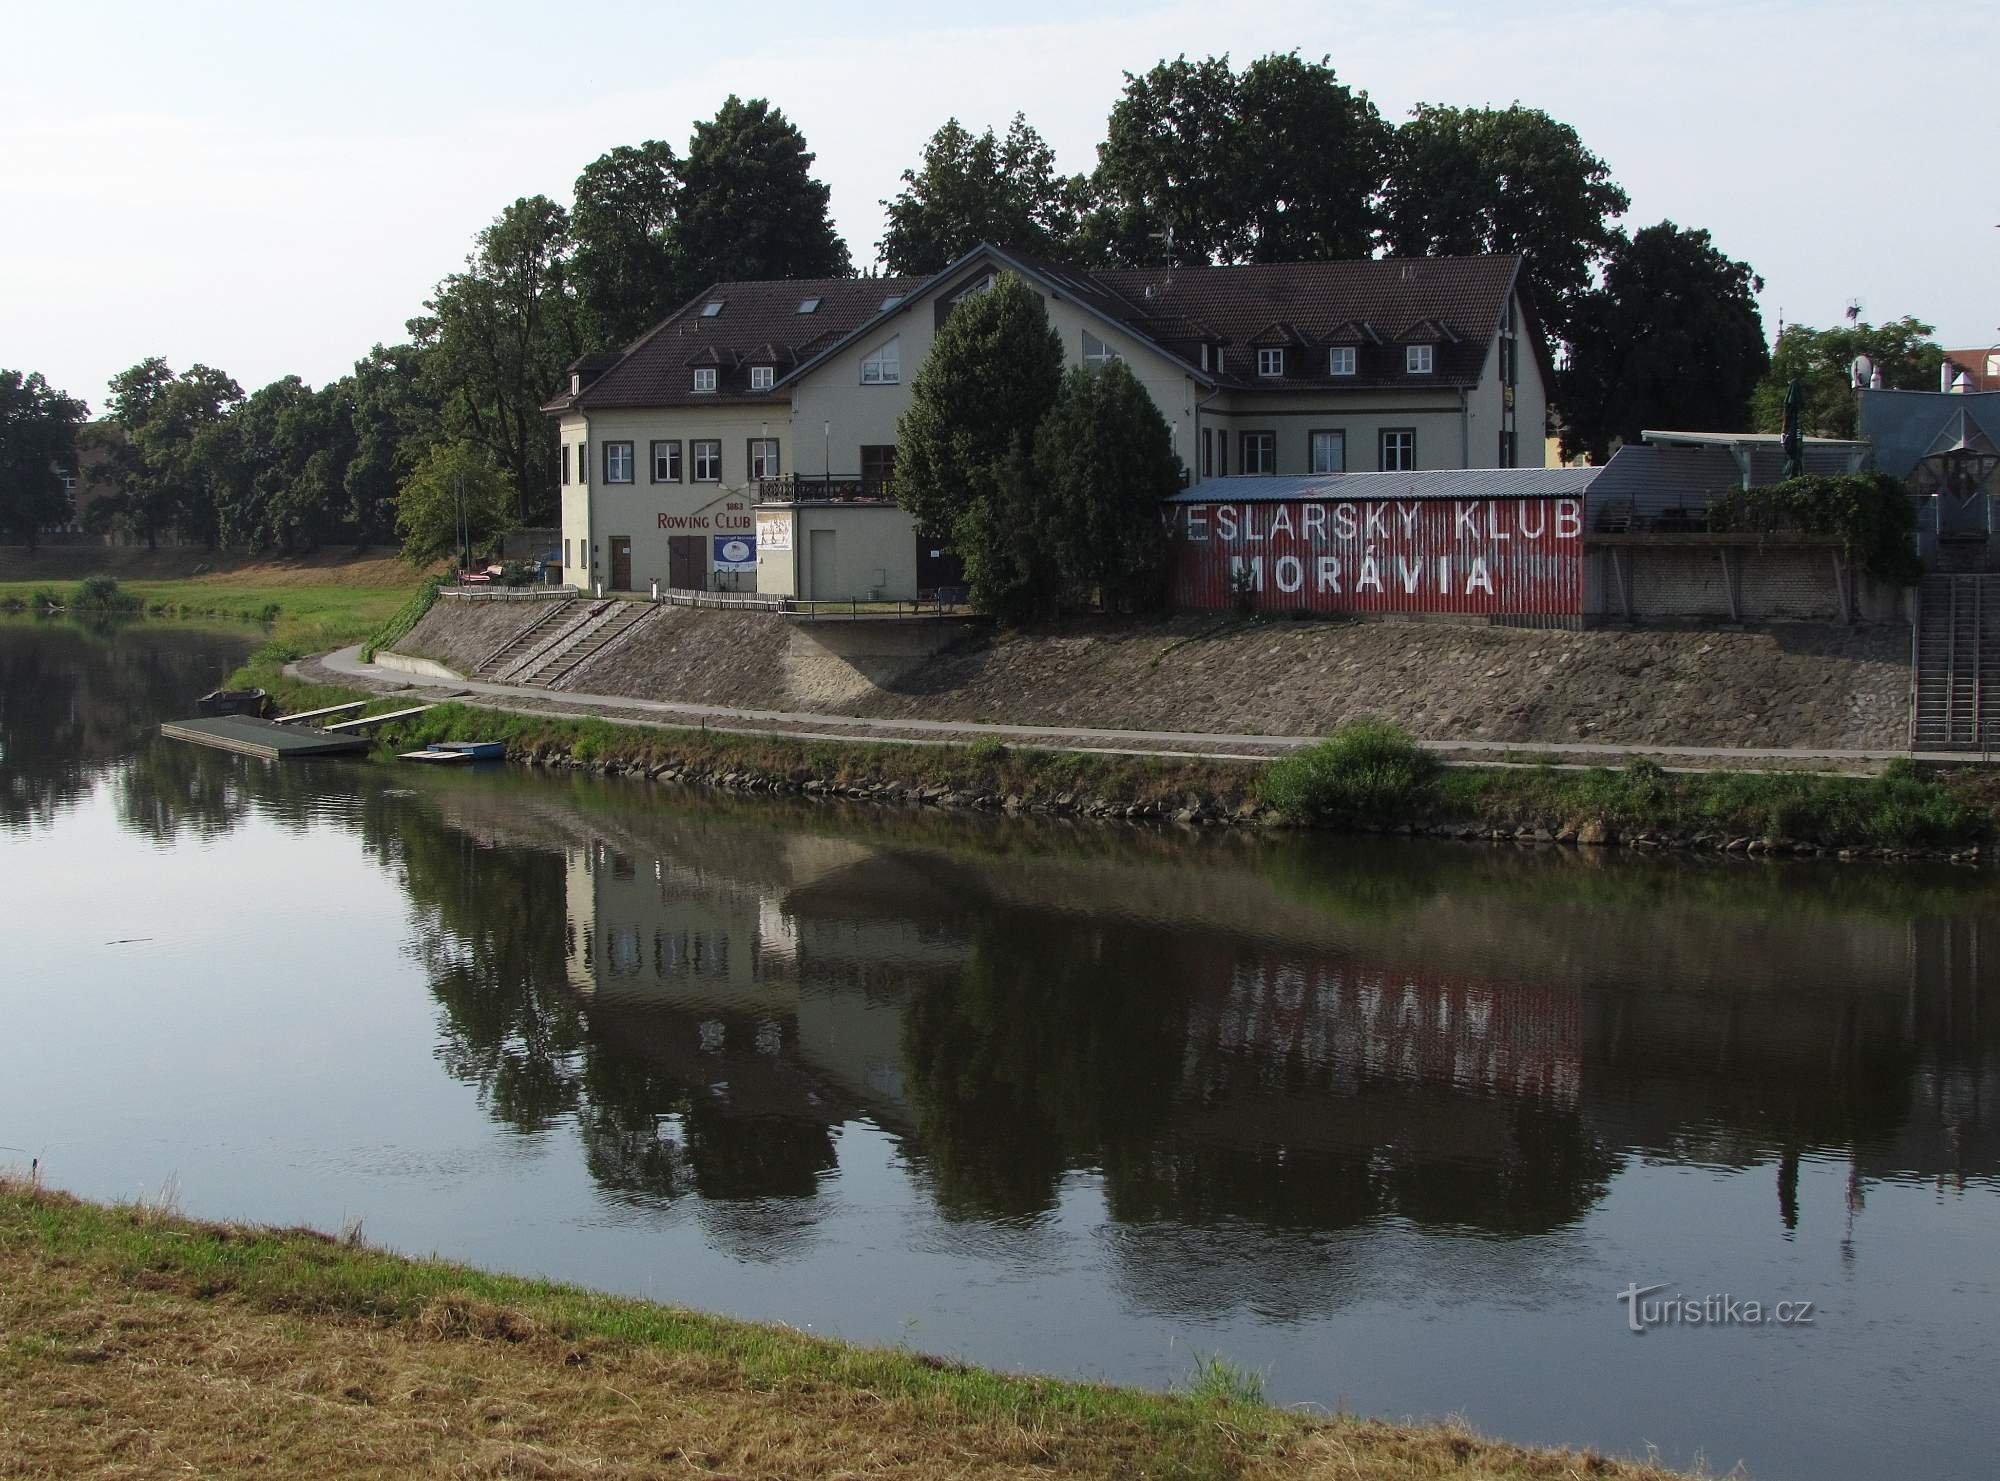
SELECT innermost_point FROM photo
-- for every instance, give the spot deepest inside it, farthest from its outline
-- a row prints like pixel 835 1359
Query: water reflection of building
pixel 1244 1052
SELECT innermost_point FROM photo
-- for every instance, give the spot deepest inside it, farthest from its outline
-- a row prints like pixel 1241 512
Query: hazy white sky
pixel 272 188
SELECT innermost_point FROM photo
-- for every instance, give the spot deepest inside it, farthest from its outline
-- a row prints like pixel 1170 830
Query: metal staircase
pixel 1956 690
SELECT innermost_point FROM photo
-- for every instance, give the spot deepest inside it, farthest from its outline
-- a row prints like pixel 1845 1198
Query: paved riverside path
pixel 345 666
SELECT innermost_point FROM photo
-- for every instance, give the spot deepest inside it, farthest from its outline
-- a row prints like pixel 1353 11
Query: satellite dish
pixel 1864 370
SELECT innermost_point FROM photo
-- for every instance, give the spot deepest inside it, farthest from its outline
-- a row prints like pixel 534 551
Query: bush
pixel 102 593
pixel 406 617
pixel 1869 513
pixel 1366 772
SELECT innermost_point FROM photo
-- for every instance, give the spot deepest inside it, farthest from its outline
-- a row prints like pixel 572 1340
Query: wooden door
pixel 621 562
pixel 687 562
pixel 820 549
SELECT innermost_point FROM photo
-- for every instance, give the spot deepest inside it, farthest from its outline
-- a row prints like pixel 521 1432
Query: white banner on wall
pixel 774 531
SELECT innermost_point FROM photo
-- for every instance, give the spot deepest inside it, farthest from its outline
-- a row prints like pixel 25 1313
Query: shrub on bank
pixel 102 593
pixel 1368 772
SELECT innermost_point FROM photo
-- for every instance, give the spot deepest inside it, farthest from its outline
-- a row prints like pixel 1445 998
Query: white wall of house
pixel 651 511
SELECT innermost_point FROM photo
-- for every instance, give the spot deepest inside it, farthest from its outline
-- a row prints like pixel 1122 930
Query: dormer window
pixel 704 378
pixel 808 305
pixel 710 309
pixel 1417 359
pixel 575 383
pixel 1340 360
pixel 1204 354
pixel 762 377
pixel 1270 363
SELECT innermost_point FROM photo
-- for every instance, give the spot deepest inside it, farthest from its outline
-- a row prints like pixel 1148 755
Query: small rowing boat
pixel 460 752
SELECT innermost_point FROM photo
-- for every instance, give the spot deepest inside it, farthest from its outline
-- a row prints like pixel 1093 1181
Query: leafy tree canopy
pixel 1902 350
pixel 972 189
pixel 627 267
pixel 991 376
pixel 496 340
pixel 749 206
pixel 1201 164
pixel 166 466
pixel 38 426
pixel 1104 460
pixel 1672 338
pixel 457 492
pixel 1472 180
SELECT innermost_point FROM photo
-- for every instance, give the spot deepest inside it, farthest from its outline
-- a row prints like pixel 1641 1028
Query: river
pixel 1391 1124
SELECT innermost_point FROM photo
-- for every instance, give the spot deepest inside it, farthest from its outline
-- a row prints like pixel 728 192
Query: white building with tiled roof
pixel 763 415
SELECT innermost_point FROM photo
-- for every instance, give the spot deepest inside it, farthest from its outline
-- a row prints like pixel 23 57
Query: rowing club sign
pixel 1477 556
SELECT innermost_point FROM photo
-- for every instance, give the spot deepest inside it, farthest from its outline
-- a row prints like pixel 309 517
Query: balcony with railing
pixel 796 488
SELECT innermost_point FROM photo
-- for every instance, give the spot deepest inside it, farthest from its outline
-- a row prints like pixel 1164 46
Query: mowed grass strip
pixel 133 1341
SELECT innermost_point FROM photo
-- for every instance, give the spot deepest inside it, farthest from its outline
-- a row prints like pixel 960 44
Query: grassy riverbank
pixel 139 1341
pixel 1900 811
pixel 311 603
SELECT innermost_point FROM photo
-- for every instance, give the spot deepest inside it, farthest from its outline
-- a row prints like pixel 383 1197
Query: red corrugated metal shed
pixel 1385 543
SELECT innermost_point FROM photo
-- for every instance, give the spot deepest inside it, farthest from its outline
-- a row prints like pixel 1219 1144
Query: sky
pixel 272 188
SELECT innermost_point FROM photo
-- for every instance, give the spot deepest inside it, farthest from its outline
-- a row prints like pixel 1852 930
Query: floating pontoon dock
pixel 275 740
pixel 249 736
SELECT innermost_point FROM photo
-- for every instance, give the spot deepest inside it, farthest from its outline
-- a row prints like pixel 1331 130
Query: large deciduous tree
pixel 980 188
pixel 38 426
pixel 279 462
pixel 1104 459
pixel 626 265
pixel 1672 338
pixel 749 205
pixel 457 501
pixel 1901 349
pixel 1203 165
pixel 166 466
pixel 496 340
pixel 396 421
pixel 1472 180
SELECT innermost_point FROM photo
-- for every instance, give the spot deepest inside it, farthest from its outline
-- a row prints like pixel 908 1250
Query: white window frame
pixel 1313 440
pixel 704 378
pixel 1409 439
pixel 885 366
pixel 1267 444
pixel 615 453
pixel 699 449
pixel 1270 363
pixel 1100 356
pixel 1340 360
pixel 671 446
pixel 762 377
pixel 763 457
pixel 1418 359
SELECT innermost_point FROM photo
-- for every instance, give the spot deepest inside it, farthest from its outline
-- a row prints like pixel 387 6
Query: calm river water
pixel 1391 1124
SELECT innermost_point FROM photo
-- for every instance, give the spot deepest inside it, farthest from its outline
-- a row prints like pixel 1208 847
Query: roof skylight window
pixel 808 305
pixel 710 309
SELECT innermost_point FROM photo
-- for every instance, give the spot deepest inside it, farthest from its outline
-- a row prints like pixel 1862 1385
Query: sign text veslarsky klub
pixel 1497 557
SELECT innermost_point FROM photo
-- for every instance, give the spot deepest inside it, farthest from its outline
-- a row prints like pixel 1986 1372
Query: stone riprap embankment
pixel 1796 685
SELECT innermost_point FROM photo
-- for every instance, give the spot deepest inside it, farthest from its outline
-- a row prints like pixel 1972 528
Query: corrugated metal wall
pixel 1484 557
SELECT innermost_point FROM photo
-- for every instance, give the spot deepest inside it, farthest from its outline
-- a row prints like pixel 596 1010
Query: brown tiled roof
pixel 1377 306
pixel 1325 303
pixel 759 323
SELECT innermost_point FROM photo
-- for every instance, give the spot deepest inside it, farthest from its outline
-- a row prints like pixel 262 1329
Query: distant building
pixel 750 438
pixel 1981 368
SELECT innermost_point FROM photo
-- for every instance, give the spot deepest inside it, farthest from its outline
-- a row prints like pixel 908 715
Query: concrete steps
pixel 580 642
pixel 1957 692
pixel 604 640
pixel 502 662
